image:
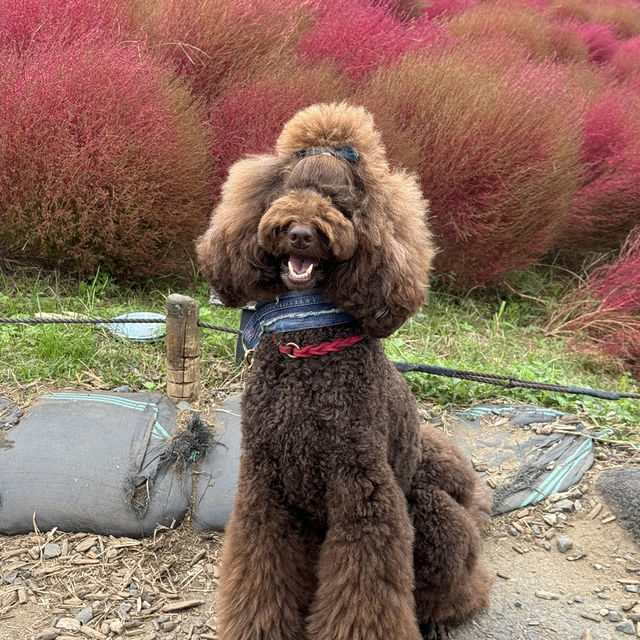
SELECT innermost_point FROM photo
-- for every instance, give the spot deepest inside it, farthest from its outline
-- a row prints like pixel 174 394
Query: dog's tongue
pixel 300 266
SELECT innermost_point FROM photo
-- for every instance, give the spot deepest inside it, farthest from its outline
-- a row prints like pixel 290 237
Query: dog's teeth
pixel 294 275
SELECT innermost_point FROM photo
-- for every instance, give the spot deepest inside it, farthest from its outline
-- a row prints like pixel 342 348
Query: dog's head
pixel 324 211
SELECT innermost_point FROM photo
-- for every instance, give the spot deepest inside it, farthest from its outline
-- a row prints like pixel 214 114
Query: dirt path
pixel 163 587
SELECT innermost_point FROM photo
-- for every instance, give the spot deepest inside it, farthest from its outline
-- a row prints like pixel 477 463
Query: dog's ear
pixel 230 257
pixel 386 280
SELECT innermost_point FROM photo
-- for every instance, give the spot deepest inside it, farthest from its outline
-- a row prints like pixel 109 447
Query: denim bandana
pixel 292 311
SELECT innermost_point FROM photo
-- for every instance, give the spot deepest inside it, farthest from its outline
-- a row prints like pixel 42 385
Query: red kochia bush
pixel 496 22
pixel 103 160
pixel 622 15
pixel 496 151
pixel 625 62
pixel 448 8
pixel 222 43
pixel 605 311
pixel 601 41
pixel 607 204
pixel 250 119
pixel 25 23
pixel 361 35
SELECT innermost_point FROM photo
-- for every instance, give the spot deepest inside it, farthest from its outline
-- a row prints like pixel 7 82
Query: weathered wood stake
pixel 183 348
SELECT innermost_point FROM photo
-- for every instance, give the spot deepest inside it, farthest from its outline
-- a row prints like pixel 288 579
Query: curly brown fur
pixel 335 472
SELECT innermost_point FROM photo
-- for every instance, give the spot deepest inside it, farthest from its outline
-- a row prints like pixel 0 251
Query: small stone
pixel 51 550
pixel 126 607
pixel 597 567
pixel 576 493
pixel 577 505
pixel 577 599
pixel 562 505
pixel 550 518
pixel 34 552
pixel 536 529
pixel 627 627
pixel 614 616
pixel 603 596
pixel 116 626
pixel 632 588
pixel 561 517
pixel 123 389
pixel 547 545
pixel 517 604
pixel 170 625
pixel 546 595
pixel 564 543
pixel 85 615
pixel 48 634
pixel 10 578
pixel 68 624
pixel 512 531
pixel 183 405
pixel 589 616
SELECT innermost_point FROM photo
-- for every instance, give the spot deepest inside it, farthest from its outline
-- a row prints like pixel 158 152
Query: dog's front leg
pixel 266 573
pixel 365 570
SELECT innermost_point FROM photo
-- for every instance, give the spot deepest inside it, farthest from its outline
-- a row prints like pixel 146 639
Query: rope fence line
pixel 33 321
pixel 183 353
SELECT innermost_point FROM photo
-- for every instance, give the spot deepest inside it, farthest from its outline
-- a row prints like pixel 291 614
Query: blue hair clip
pixel 348 153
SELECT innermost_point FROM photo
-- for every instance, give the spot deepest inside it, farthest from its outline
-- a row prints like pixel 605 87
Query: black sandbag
pixel 95 462
pixel 621 490
pixel 218 472
pixel 542 464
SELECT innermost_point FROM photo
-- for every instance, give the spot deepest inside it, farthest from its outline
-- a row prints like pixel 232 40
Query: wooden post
pixel 183 348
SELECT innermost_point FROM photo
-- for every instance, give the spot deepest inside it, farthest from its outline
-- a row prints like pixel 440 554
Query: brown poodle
pixel 350 521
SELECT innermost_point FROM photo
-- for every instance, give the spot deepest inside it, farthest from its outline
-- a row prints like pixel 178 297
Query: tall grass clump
pixel 607 204
pixel 28 23
pixel 250 119
pixel 219 43
pixel 496 152
pixel 361 35
pixel 605 311
pixel 103 160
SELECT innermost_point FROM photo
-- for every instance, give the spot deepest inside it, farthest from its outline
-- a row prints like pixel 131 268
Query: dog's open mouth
pixel 301 270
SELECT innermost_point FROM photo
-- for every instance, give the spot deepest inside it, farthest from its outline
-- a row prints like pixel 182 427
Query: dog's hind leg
pixel 365 575
pixel 266 579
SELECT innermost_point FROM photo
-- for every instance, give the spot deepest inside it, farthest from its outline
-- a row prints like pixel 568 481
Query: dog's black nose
pixel 301 237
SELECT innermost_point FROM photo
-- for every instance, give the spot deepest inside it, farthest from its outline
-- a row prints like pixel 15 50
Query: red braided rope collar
pixel 292 350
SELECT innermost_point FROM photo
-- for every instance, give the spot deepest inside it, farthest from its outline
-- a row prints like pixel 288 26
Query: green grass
pixel 495 332
pixel 65 355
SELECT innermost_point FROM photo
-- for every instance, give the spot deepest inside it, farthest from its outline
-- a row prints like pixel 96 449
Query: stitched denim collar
pixel 292 311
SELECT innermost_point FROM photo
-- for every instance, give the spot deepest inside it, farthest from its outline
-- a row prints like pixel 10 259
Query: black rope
pixel 509 382
pixel 204 325
pixel 216 327
pixel 404 367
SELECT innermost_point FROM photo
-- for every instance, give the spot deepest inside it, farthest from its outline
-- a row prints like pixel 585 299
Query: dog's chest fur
pixel 337 412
